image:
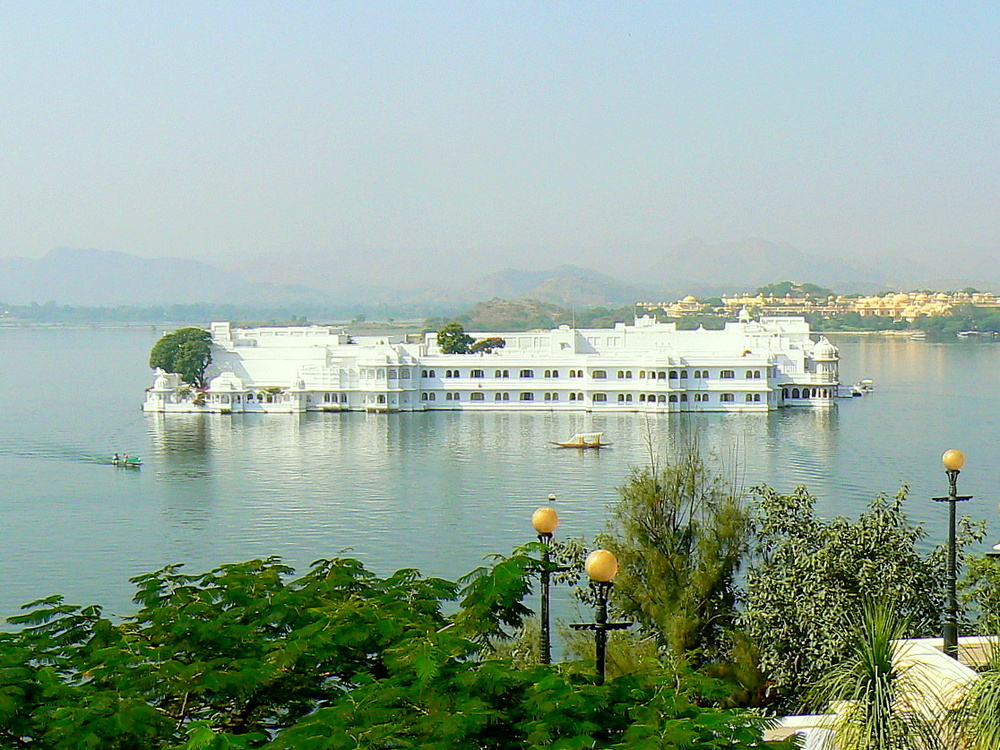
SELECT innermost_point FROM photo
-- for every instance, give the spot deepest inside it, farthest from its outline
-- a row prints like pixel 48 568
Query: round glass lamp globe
pixel 601 566
pixel 953 460
pixel 545 520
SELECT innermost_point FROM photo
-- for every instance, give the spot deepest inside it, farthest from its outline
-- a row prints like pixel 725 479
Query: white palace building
pixel 751 365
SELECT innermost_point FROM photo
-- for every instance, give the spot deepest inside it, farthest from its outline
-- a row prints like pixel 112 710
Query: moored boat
pixel 583 440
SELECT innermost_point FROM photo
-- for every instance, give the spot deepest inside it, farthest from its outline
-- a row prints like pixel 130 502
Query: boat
pixel 128 462
pixel 583 440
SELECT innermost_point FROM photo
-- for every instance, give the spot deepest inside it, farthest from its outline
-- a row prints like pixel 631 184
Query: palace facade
pixel 751 365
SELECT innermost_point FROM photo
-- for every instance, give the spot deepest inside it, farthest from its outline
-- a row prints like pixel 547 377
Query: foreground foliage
pixel 681 534
pixel 880 704
pixel 245 656
pixel 810 574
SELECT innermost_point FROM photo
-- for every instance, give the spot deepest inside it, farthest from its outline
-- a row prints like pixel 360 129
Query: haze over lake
pixel 435 491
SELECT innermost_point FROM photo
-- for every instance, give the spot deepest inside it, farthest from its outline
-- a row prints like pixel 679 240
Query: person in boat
pixel 115 458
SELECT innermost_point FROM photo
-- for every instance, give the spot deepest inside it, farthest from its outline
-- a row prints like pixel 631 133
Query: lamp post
pixel 601 567
pixel 545 520
pixel 953 461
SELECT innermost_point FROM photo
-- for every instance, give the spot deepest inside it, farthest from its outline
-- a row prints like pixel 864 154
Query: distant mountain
pixel 98 278
pixel 101 278
pixel 751 263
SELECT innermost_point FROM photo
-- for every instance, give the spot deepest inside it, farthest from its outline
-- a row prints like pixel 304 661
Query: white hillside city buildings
pixel 754 366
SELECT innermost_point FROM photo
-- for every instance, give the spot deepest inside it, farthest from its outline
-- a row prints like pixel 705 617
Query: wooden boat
pixel 131 462
pixel 583 440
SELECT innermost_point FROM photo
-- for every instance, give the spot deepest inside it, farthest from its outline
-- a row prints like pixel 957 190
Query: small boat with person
pixel 126 461
pixel 583 440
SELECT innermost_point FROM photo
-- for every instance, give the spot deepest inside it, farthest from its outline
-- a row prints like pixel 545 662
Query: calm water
pixel 432 491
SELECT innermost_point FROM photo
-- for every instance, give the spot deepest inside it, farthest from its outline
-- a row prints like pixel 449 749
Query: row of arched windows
pixel 650 398
pixel 806 393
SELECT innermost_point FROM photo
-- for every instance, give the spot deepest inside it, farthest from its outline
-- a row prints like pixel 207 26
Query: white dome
pixel 824 350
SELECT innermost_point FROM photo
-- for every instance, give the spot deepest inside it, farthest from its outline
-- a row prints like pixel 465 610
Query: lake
pixel 434 491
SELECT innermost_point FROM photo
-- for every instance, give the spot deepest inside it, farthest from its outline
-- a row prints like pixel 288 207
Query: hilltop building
pixel 751 365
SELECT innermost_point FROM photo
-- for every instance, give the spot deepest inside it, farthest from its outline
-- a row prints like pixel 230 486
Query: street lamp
pixel 545 520
pixel 953 461
pixel 601 567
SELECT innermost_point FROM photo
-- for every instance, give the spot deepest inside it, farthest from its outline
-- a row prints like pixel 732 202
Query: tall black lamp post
pixel 545 520
pixel 953 461
pixel 601 567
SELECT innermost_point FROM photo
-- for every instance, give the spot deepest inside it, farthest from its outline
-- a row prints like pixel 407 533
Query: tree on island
pixel 186 352
pixel 487 345
pixel 453 339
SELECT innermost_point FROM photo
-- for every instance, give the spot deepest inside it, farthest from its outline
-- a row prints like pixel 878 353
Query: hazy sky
pixel 383 136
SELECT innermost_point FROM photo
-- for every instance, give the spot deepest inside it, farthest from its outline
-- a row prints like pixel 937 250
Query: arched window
pixel 673 398
pixel 628 397
pixel 433 375
pixel 651 397
pixel 572 373
pixel 684 397
pixel 423 373
pixel 756 373
pixel 621 374
pixel 642 373
pixel 621 398
pixel 628 374
pixel 661 399
pixel 572 397
pixel 343 398
pixel 555 373
pixel 555 396
pixel 684 374
pixel 756 397
pixel 673 374
pixel 749 374
pixel 749 397
pixel 498 397
pixel 661 375
pixel 548 374
pixel 506 397
pixel 423 397
pixel 795 392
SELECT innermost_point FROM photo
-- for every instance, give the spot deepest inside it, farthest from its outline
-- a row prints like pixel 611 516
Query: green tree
pixel 186 352
pixel 487 345
pixel 681 533
pixel 807 572
pixel 453 339
pixel 882 703
pixel 246 656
